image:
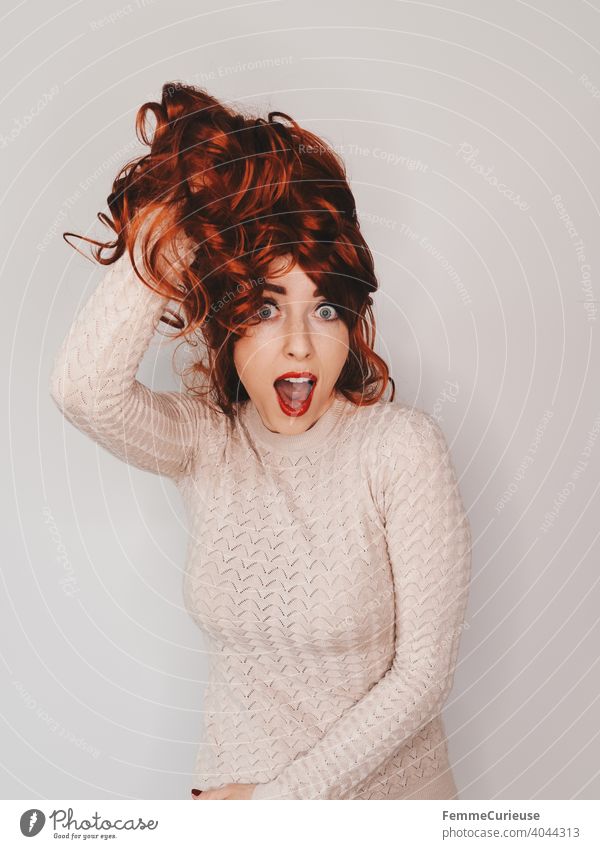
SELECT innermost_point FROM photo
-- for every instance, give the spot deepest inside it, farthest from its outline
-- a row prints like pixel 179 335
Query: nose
pixel 297 342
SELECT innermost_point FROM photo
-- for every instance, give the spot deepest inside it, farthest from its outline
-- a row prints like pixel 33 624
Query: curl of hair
pixel 220 197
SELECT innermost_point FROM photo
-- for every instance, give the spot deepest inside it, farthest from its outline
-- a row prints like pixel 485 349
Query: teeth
pixel 298 379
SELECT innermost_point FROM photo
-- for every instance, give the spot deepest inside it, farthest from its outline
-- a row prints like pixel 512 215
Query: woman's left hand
pixel 227 791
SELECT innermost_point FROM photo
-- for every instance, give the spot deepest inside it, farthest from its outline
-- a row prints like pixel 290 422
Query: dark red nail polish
pixel 196 792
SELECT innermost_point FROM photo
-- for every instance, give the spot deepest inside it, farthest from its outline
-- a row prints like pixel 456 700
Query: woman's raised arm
pixel 93 379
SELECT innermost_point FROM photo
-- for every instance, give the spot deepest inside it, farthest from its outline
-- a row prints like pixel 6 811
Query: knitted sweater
pixel 327 570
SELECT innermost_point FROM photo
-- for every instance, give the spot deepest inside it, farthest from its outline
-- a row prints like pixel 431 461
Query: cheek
pixel 249 352
pixel 335 344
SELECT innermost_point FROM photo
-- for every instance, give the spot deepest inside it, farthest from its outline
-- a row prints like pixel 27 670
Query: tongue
pixel 294 394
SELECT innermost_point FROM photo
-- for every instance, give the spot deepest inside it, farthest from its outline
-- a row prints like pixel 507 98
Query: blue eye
pixel 260 311
pixel 264 314
pixel 329 307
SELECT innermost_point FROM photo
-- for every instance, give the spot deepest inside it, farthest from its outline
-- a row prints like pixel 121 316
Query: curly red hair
pixel 237 193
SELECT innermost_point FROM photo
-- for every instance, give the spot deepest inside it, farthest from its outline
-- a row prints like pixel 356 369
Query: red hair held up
pixel 219 197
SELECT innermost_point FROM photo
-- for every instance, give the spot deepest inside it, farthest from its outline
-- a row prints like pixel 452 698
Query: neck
pixel 317 436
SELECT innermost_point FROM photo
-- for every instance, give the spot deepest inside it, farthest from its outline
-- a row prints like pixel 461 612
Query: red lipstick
pixel 285 394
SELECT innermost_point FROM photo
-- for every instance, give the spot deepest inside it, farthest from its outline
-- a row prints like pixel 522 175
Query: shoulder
pixel 409 453
pixel 396 429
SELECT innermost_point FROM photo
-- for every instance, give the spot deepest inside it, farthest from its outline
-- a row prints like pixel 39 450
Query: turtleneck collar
pixel 310 440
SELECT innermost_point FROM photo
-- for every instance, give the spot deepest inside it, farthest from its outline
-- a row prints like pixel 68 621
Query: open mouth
pixel 294 391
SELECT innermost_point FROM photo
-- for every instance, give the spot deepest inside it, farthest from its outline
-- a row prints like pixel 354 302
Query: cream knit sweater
pixel 328 570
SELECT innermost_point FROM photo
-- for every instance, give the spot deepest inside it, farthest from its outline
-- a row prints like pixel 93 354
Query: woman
pixel 329 551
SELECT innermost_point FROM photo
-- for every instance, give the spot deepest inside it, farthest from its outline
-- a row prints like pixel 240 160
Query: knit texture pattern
pixel 328 571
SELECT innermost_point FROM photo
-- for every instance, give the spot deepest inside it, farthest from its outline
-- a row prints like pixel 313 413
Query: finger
pixel 220 793
pixel 214 793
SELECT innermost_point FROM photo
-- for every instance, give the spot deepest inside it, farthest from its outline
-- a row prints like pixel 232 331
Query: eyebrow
pixel 281 290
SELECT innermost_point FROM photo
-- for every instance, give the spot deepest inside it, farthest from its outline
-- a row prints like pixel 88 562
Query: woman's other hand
pixel 227 791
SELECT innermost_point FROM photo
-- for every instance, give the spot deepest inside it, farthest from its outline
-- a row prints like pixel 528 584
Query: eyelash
pixel 322 304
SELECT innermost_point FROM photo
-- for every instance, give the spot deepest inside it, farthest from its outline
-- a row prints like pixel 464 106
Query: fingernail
pixel 196 792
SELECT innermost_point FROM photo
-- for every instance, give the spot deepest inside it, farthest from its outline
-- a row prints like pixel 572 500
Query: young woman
pixel 329 551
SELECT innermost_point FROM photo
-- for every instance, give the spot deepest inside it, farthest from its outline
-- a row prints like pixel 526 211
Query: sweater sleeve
pixel 429 542
pixel 93 379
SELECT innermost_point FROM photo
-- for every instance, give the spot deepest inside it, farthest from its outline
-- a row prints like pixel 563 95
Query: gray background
pixel 460 122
